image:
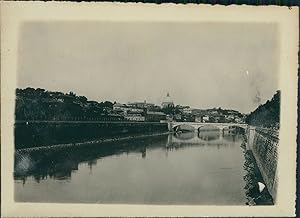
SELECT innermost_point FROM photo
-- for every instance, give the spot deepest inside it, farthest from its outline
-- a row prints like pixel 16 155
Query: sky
pixel 203 65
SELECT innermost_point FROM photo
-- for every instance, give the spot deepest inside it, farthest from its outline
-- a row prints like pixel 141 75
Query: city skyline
pixel 202 65
pixel 144 101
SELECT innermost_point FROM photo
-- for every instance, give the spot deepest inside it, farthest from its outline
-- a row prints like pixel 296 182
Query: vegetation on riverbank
pixel 266 115
pixel 39 104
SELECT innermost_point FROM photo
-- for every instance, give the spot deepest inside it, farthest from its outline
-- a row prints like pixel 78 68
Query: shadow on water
pixel 59 162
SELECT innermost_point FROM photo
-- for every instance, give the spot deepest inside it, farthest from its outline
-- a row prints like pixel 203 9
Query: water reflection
pixel 179 168
pixel 213 137
pixel 210 135
pixel 184 136
pixel 59 163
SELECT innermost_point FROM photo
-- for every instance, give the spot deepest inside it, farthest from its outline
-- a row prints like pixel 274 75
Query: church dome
pixel 167 102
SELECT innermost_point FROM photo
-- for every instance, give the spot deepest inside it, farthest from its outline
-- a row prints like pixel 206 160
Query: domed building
pixel 167 102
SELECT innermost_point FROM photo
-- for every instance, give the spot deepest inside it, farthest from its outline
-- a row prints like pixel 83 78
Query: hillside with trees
pixel 266 115
pixel 39 104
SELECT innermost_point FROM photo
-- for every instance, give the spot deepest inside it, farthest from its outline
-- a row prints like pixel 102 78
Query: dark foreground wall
pixel 264 144
pixel 35 134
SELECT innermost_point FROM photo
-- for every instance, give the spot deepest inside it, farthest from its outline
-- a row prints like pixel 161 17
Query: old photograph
pixel 159 118
pixel 143 112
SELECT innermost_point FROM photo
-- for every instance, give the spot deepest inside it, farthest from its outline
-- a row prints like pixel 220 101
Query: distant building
pixel 232 112
pixel 134 117
pixel 187 110
pixel 156 108
pixel 155 116
pixel 140 105
pixel 135 110
pixel 181 108
pixel 229 118
pixel 239 120
pixel 219 119
pixel 119 112
pixel 205 118
pixel 214 112
pixel 167 102
pixel 188 118
pixel 118 106
pixel 198 112
pixel 198 118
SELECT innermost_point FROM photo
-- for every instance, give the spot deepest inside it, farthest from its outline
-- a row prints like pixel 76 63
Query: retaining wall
pixel 264 144
pixel 35 134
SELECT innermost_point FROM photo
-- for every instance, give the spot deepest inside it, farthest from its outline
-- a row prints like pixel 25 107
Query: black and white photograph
pixel 148 112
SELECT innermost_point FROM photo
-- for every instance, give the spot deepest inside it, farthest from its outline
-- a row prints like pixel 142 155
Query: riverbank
pixel 36 134
pixel 98 141
pixel 252 179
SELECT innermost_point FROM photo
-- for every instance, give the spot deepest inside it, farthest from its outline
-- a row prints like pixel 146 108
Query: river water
pixel 205 168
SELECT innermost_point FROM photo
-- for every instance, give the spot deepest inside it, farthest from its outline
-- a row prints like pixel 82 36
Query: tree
pixel 108 104
pixel 82 99
pixel 170 110
pixel 266 115
pixel 72 94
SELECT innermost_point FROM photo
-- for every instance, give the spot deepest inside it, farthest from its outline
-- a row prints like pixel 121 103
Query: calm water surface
pixel 187 168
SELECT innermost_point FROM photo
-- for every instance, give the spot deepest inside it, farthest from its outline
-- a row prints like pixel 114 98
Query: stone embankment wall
pixel 264 144
pixel 36 134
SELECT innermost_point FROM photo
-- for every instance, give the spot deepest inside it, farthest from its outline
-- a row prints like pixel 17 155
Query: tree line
pixel 40 104
pixel 266 115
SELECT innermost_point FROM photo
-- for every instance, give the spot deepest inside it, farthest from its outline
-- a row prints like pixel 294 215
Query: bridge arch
pixel 209 127
pixel 178 126
pixel 198 126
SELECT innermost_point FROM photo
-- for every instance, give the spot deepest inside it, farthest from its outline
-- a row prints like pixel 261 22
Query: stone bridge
pixel 174 139
pixel 173 126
